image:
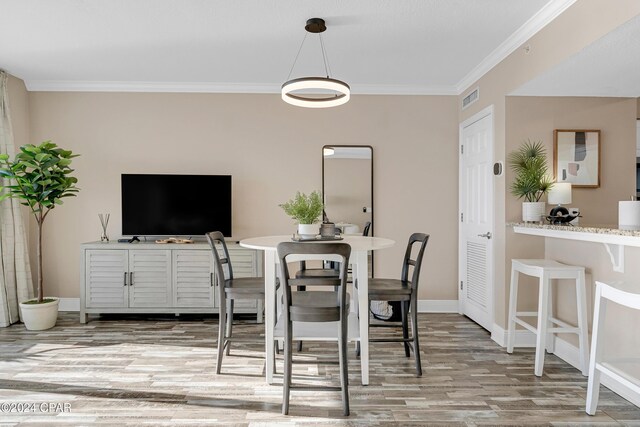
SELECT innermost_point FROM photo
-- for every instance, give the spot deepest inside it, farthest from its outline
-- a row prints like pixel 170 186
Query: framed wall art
pixel 576 157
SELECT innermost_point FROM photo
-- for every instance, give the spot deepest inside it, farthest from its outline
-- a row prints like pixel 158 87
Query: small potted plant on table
pixel 306 210
pixel 532 181
pixel 39 177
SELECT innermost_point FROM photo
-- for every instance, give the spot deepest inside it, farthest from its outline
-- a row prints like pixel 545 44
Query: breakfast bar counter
pixel 614 239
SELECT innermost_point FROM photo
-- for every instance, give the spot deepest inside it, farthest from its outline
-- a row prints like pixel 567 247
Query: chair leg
pixel 344 364
pixel 414 326
pixel 222 315
pixel 286 380
pixel 541 332
pixel 551 347
pixel 229 322
pixel 583 336
pixel 405 326
pixel 593 386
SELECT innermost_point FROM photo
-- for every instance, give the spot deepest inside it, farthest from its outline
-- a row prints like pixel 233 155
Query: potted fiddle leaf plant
pixel 306 210
pixel 39 177
pixel 532 179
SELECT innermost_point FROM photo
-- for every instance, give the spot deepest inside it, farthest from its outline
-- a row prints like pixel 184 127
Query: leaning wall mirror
pixel 347 187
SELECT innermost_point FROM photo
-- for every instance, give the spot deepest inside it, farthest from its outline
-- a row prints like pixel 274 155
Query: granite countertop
pixel 596 229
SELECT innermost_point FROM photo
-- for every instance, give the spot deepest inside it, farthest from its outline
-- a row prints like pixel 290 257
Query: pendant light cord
pixel 297 55
pixel 327 69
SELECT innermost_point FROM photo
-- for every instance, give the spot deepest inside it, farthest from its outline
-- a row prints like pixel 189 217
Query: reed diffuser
pixel 104 220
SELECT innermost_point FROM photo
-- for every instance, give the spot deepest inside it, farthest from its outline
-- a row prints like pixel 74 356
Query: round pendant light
pixel 315 92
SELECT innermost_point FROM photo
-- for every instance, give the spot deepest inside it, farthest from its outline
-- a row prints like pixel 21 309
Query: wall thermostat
pixel 497 168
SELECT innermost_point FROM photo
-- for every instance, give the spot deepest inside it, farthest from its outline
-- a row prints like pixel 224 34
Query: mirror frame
pixel 373 223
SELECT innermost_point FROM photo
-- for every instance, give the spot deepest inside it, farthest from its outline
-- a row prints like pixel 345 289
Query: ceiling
pixel 607 67
pixel 378 46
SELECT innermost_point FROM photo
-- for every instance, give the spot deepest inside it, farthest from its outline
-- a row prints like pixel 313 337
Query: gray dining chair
pixel 315 306
pixel 404 290
pixel 230 289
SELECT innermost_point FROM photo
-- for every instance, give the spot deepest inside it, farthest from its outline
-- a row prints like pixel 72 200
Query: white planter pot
pixel 533 211
pixel 38 317
pixel 308 231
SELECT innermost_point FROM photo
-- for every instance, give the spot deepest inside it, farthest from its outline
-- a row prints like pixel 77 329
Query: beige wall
pixel 272 150
pixel 547 48
pixel 535 118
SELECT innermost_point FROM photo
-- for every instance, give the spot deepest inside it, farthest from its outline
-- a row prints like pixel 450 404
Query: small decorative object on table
pixel 306 210
pixel 562 219
pixel 104 221
pixel 328 229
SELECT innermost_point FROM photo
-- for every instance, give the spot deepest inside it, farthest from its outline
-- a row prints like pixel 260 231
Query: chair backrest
pixel 365 230
pixel 415 264
pixel 325 251
pixel 216 237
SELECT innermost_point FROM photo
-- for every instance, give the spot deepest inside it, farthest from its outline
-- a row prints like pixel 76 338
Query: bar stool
pixel 547 270
pixel 627 295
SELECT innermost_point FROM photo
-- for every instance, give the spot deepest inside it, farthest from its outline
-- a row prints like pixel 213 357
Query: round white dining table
pixel 359 260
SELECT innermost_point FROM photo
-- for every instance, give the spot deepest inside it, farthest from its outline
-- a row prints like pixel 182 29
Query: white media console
pixel 158 278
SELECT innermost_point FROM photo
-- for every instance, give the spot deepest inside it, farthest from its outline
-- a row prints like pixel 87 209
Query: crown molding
pixel 404 90
pixel 114 86
pixel 181 87
pixel 536 23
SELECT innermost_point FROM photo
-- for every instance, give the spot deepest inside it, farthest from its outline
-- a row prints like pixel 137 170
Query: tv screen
pixel 175 205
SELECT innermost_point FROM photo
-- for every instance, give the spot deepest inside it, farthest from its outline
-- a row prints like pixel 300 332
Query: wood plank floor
pixel 161 371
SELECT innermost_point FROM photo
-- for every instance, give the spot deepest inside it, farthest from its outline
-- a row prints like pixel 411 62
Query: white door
pixel 475 255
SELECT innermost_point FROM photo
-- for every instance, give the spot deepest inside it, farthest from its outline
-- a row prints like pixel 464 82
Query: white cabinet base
pixel 139 278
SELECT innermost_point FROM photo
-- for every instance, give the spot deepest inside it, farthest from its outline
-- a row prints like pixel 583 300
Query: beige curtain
pixel 15 272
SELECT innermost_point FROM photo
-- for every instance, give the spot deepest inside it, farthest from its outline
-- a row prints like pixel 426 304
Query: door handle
pixel 125 278
pixel 487 235
pixel 131 278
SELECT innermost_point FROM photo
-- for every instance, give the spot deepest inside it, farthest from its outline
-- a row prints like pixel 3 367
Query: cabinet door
pixel 244 265
pixel 243 262
pixel 105 279
pixel 193 279
pixel 150 278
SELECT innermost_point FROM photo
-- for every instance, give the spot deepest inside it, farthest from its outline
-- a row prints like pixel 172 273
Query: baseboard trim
pixel 69 304
pixel 524 338
pixel 567 352
pixel 437 306
pixel 424 306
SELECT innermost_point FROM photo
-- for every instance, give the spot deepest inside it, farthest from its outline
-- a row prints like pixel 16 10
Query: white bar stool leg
pixel 543 318
pixel 551 346
pixel 513 303
pixel 583 337
pixel 593 387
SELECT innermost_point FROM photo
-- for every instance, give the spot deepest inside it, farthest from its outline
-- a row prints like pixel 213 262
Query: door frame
pixel 488 111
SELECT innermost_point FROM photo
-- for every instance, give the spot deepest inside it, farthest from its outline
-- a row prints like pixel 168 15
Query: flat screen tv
pixel 175 205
